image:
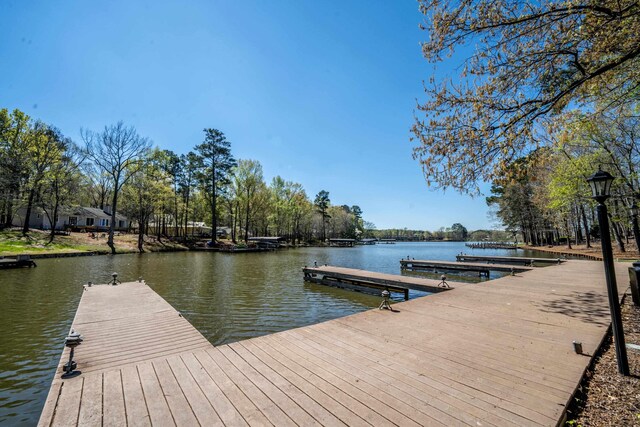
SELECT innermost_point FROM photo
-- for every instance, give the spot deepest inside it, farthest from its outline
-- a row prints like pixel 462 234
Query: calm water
pixel 226 297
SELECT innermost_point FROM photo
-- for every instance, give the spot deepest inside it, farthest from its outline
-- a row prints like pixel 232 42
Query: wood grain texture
pixel 497 353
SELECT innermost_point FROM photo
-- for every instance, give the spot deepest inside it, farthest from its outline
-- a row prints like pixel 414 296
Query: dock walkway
pixel 440 266
pixel 493 354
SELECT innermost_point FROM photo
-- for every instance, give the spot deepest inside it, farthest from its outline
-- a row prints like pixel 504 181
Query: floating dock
pixel 370 281
pixel 491 245
pixel 442 266
pixel 387 241
pixel 492 354
pixel 19 262
pixel 527 261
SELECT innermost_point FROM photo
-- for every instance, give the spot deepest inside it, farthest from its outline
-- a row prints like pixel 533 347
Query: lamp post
pixel 600 183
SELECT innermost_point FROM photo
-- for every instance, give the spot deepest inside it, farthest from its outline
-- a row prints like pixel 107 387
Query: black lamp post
pixel 600 183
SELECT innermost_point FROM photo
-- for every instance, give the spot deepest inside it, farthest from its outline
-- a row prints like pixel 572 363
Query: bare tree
pixel 117 151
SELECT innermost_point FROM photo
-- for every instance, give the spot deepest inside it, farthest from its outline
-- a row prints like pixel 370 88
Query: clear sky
pixel 321 93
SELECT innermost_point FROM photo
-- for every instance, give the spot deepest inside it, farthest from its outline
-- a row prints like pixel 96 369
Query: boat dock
pixel 493 354
pixel 527 261
pixel 442 266
pixel 491 245
pixel 18 262
pixel 371 281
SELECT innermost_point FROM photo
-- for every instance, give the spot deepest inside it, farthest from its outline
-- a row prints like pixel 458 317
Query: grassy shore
pixel 13 242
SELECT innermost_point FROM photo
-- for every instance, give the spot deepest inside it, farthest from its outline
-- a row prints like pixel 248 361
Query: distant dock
pixel 443 266
pixel 370 281
pixel 20 261
pixel 492 245
pixel 527 261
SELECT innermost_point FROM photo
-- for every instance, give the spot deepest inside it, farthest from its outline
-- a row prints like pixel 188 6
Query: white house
pixel 79 218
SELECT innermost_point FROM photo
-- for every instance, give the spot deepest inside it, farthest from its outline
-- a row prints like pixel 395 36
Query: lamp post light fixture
pixel 600 183
pixel 115 280
pixel 385 300
pixel 72 340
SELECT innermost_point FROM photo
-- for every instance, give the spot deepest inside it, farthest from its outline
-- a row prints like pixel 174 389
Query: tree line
pixel 162 192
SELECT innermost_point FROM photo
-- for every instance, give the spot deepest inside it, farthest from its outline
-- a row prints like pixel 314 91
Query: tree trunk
pixel 214 220
pixel 616 232
pixel 246 222
pixel 9 211
pixel 186 216
pixel 112 226
pixel 586 226
pixel 636 231
pixel 141 228
pixel 25 226
pixel 236 219
pixel 55 218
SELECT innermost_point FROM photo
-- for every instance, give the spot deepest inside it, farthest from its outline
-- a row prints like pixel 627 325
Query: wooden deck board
pixel 159 412
pixel 264 403
pixel 91 405
pixel 497 353
pixel 315 409
pixel 227 407
pixel 340 413
pixel 135 404
pixel 236 387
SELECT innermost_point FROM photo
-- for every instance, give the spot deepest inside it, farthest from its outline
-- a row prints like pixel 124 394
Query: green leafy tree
pixel 322 203
pixel 215 155
pixel 190 164
pixel 459 231
pixel 45 147
pixel 250 186
pixel 14 170
pixel 61 183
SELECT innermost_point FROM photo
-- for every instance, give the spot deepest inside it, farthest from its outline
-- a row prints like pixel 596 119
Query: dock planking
pixel 497 353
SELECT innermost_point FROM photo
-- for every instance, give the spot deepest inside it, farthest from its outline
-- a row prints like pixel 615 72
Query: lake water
pixel 227 297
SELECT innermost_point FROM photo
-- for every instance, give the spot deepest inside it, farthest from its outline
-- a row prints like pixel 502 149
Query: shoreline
pixel 577 252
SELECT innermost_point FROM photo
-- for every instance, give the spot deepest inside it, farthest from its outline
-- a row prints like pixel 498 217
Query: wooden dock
pixel 492 354
pixel 527 261
pixel 442 266
pixel 371 281
pixel 491 245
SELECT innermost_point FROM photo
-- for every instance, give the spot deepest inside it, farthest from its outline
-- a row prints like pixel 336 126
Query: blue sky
pixel 321 93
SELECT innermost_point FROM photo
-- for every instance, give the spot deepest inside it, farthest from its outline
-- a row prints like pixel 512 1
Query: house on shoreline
pixel 74 219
